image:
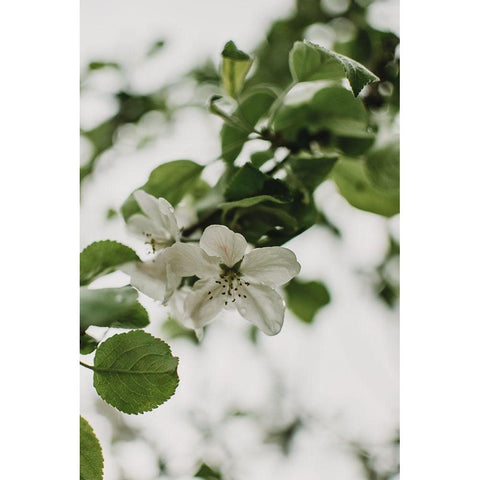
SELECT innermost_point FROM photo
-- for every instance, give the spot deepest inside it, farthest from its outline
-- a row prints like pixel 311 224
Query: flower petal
pixel 270 265
pixel 222 242
pixel 204 303
pixel 186 259
pixel 140 224
pixel 262 306
pixel 152 278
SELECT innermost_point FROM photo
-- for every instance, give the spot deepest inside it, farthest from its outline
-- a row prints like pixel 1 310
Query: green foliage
pixel 87 343
pixel 309 62
pixel 260 158
pixel 252 106
pixel 353 183
pixel 135 372
pixel 311 170
pixel 383 167
pixel 170 180
pixel 111 307
pixel 91 458
pixel 207 473
pixel 235 66
pixel 306 298
pixel 172 329
pixel 103 257
pixel 332 116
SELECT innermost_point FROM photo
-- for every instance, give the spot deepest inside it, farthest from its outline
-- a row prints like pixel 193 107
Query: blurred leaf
pixel 87 344
pixel 383 166
pixel 207 473
pixel 332 115
pixel 260 158
pixel 252 106
pixel 306 298
pixel 103 257
pixel 111 307
pixel 173 329
pixel 156 47
pixel 309 62
pixel 311 170
pixel 135 372
pixel 99 65
pixel 235 66
pixel 353 183
pixel 111 213
pixel 170 180
pixel 91 459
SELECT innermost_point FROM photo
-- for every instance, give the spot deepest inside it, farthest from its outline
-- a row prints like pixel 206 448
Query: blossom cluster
pixel 227 276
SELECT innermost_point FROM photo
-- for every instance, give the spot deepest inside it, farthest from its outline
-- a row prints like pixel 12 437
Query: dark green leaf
pixel 249 202
pixel 253 105
pixel 353 183
pixel 170 180
pixel 259 158
pixel 235 66
pixel 311 170
pixel 91 459
pixel 111 307
pixel 309 62
pixel 383 166
pixel 103 257
pixel 135 372
pixel 99 65
pixel 306 298
pixel 87 344
pixel 207 473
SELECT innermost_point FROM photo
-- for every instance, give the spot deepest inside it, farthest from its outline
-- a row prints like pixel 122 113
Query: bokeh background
pixel 319 400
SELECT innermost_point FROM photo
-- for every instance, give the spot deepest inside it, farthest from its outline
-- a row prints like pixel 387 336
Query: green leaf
pixel 87 344
pixel 99 65
pixel 91 459
pixel 331 116
pixel 173 329
pixel 170 180
pixel 253 105
pixel 235 66
pixel 249 181
pixel 156 47
pixel 353 183
pixel 306 298
pixel 260 158
pixel 383 166
pixel 135 372
pixel 311 170
pixel 207 473
pixel 249 202
pixel 111 307
pixel 103 257
pixel 309 62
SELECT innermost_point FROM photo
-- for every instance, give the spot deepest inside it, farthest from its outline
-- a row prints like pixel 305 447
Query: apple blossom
pixel 229 278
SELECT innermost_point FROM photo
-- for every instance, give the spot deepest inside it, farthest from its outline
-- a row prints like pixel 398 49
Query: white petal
pixel 263 306
pixel 160 212
pixel 151 278
pixel 140 224
pixel 186 259
pixel 222 242
pixel 271 265
pixel 204 303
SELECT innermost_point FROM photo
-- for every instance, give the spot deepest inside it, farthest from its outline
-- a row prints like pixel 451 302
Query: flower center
pixel 230 286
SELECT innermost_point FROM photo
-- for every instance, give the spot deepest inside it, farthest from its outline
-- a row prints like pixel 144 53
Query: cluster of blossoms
pixel 228 277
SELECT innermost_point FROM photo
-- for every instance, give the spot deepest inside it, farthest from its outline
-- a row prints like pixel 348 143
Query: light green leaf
pixel 103 257
pixel 249 202
pixel 353 183
pixel 383 166
pixel 170 180
pixel 91 458
pixel 135 372
pixel 111 307
pixel 235 66
pixel 253 105
pixel 306 298
pixel 309 62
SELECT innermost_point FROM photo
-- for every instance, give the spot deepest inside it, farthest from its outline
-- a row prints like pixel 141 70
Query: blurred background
pixel 319 400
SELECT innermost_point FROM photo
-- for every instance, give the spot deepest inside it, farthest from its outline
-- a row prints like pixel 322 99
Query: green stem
pixel 277 104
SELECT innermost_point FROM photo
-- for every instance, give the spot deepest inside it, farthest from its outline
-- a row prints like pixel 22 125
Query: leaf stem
pixel 278 103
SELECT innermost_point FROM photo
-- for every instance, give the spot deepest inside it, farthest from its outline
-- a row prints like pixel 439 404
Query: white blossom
pixel 157 225
pixel 229 278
